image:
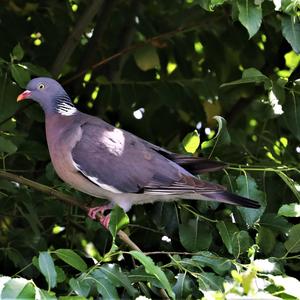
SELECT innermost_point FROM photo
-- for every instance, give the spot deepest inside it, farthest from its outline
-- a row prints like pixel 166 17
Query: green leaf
pixel 139 274
pixel 291 31
pixel 71 258
pixel 13 288
pixel 289 210
pixel 195 235
pixel 226 231
pixel 275 222
pixel 105 288
pixel 266 239
pixel 20 75
pixel 18 52
pixel 113 273
pixel 250 15
pixel 210 282
pixel 246 186
pixel 221 138
pixel 184 286
pixel 47 268
pixel 7 146
pixel 118 219
pixel 219 264
pixel 80 287
pixel 36 70
pixel 290 183
pixel 151 268
pixel 292 244
pixel 147 58
pixel 191 142
pixel 44 295
pixel 241 242
pixel 251 75
pixel 291 286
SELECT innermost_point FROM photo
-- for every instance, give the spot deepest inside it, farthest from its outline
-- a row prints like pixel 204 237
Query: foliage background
pixel 162 70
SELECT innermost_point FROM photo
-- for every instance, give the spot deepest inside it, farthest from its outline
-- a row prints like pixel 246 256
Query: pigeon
pixel 103 161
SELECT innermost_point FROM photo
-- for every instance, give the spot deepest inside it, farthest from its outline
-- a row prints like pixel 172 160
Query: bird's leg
pixel 104 219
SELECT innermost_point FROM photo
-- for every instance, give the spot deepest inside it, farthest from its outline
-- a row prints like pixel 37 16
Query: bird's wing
pixel 121 162
pixel 193 164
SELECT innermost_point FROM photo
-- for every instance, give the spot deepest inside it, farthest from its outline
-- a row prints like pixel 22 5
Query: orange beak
pixel 25 95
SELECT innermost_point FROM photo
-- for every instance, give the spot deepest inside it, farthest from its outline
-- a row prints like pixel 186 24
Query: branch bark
pixel 74 38
pixel 62 197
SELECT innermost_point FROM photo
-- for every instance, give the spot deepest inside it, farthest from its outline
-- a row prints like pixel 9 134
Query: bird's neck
pixel 64 106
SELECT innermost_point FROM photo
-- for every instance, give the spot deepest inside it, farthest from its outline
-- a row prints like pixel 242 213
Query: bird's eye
pixel 41 86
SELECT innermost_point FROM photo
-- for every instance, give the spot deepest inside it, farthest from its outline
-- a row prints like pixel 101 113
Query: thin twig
pixel 62 197
pixel 151 40
pixel 74 37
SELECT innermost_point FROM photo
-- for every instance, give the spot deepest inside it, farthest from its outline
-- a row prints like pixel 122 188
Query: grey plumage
pixel 104 161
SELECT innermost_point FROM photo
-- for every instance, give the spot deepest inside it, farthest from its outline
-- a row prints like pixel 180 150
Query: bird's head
pixel 49 94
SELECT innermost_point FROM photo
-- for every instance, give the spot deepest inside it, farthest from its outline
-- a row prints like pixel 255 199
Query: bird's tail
pixel 227 197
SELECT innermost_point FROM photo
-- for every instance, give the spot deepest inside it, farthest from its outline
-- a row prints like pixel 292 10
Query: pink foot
pixel 104 220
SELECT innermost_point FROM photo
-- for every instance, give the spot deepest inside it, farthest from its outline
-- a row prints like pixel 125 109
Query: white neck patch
pixel 66 109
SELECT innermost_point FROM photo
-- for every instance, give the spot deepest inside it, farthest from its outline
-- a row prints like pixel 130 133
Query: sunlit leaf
pixel 291 31
pixel 250 15
pixel 71 258
pixel 47 268
pixel 147 58
pixel 154 270
pixel 118 219
pixel 289 210
pixel 191 142
pixel 247 187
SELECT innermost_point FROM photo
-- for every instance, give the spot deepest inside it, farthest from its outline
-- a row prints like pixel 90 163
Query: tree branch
pixel 153 40
pixel 73 39
pixel 62 197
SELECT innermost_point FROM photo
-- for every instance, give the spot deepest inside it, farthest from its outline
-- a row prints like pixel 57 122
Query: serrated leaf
pixel 226 231
pixel 247 187
pixel 47 268
pixel 20 75
pixel 241 242
pixel 118 219
pixel 290 210
pixel 139 274
pixel 218 264
pixel 113 273
pixel 292 244
pixel 191 142
pixel 250 15
pixel 275 222
pixel 266 239
pixel 71 258
pixel 18 52
pixel 183 287
pixel 147 58
pixel 195 235
pixel 7 146
pixel 151 268
pixel 291 31
pixel 210 282
pixel 105 288
pixel 80 287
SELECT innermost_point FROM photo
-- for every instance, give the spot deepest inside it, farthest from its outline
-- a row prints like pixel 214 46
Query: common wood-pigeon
pixel 107 162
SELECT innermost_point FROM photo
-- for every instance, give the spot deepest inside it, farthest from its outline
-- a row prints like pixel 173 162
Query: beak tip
pixel 25 95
